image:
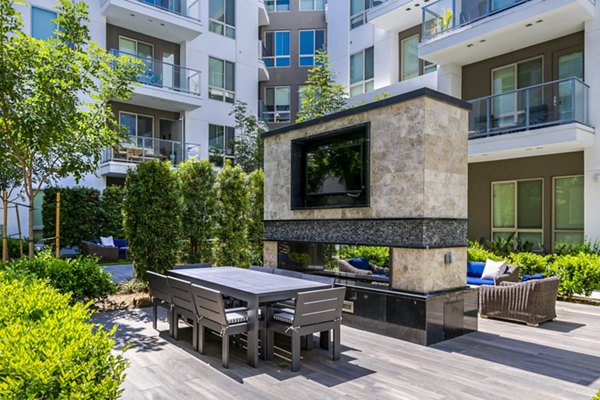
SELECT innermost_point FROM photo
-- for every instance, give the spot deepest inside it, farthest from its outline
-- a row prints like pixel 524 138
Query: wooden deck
pixel 558 360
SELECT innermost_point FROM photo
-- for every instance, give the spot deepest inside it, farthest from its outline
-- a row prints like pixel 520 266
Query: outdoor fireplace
pixel 391 173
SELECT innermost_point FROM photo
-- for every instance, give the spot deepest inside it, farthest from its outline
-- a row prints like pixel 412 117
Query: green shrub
pixel 502 247
pixel 152 217
pixel 575 248
pixel 50 350
pixel 197 186
pixel 529 263
pixel 256 227
pixel 597 396
pixel 579 274
pixel 476 252
pixel 379 256
pixel 82 277
pixel 14 248
pixel 80 212
pixel 112 211
pixel 231 236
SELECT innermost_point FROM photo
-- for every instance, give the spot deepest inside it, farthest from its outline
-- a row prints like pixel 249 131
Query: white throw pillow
pixel 493 268
pixel 107 241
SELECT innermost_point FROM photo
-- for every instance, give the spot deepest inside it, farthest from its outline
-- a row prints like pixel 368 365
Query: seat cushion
pixel 475 269
pixel 479 281
pixel 360 263
pixel 526 278
pixel 284 317
pixel 120 242
pixel 237 317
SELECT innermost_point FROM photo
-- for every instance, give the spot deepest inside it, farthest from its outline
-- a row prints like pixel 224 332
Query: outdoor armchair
pixel 314 311
pixel 161 296
pixel 532 302
pixel 344 266
pixel 183 306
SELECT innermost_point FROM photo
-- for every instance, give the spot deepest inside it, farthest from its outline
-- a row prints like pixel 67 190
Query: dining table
pixel 253 287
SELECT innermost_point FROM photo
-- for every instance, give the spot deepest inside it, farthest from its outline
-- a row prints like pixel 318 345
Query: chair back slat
pixel 288 273
pixel 181 294
pixel 209 304
pixel 319 306
pixel 318 278
pixel 258 268
pixel 159 286
pixel 187 266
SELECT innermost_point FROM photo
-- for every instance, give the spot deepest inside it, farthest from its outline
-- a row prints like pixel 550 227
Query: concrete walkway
pixel 120 273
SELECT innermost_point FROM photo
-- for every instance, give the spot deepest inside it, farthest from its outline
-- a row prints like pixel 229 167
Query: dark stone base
pixel 421 319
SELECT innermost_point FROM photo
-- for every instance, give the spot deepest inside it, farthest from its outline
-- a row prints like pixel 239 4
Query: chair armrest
pixel 507 283
pixel 345 266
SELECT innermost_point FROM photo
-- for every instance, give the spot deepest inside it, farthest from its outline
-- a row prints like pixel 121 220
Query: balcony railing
pixel 445 15
pixel 273 113
pixel 138 149
pixel 164 75
pixel 183 8
pixel 553 103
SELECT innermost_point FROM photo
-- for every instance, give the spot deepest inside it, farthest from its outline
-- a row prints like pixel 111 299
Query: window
pixel 277 5
pixel 222 17
pixel 220 144
pixel 358 12
pixel 312 5
pixel 135 47
pixel 277 104
pixel 517 209
pixel 507 104
pixel 277 49
pixel 137 124
pixel 221 80
pixel 310 42
pixel 361 72
pixel 42 23
pixel 301 96
pixel 411 65
pixel 568 210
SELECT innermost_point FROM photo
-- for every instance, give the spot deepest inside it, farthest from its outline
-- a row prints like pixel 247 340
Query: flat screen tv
pixel 331 169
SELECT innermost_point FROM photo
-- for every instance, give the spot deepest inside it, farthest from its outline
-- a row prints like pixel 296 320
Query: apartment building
pixel 527 67
pixel 295 30
pixel 198 56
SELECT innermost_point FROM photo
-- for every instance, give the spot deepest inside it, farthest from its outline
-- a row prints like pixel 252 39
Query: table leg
pixel 253 329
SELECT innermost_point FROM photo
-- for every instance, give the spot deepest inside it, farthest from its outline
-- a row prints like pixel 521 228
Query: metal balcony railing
pixel 445 15
pixel 273 113
pixel 138 149
pixel 161 74
pixel 183 8
pixel 553 103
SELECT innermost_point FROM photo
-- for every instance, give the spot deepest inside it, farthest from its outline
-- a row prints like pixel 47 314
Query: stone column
pixel 270 254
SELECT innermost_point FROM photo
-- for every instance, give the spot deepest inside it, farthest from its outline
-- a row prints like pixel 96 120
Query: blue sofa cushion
pixel 120 243
pixel 475 269
pixel 479 281
pixel 526 278
pixel 360 263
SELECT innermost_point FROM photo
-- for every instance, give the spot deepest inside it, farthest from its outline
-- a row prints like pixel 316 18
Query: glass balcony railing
pixel 168 76
pixel 552 103
pixel 183 8
pixel 138 149
pixel 445 15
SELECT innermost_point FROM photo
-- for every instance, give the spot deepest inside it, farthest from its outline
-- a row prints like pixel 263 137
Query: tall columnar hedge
pixel 256 210
pixel 198 206
pixel 231 235
pixel 152 217
pixel 80 213
pixel 112 211
pixel 50 350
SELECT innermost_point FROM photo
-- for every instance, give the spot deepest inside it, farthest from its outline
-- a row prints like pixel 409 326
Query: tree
pixel 199 201
pixel 248 145
pixel 256 227
pixel 55 113
pixel 321 95
pixel 231 235
pixel 151 210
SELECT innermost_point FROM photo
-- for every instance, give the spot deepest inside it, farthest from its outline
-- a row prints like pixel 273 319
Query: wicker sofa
pixel 105 253
pixel 345 266
pixel 532 302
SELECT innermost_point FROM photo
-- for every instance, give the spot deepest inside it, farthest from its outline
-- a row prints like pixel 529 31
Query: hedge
pixel 379 256
pixel 80 212
pixel 256 227
pixel 50 349
pixel 151 211
pixel 578 274
pixel 112 211
pixel 82 277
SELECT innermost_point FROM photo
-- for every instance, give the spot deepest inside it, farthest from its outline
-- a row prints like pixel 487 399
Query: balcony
pixel 462 32
pixel 271 114
pixel 263 14
pixel 136 149
pixel 542 119
pixel 395 14
pixel 165 86
pixel 263 71
pixel 175 21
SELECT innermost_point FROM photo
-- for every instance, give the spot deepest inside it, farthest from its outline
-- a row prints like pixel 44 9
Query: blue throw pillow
pixel 526 278
pixel 475 268
pixel 360 263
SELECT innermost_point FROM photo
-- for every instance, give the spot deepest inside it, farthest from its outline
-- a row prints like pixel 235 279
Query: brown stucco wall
pixel 481 176
pixel 112 42
pixel 477 77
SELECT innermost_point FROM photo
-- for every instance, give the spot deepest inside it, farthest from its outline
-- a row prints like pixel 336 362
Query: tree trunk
pixel 31 199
